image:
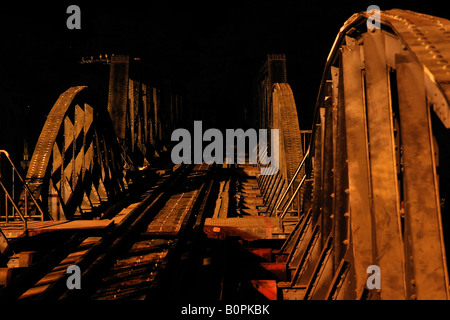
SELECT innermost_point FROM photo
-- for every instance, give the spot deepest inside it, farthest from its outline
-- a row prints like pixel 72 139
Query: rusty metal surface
pixel 139 270
pixel 375 189
pixel 383 174
pixel 4 244
pixel 357 154
pixel 134 271
pixel 118 93
pixel 428 38
pixel 77 162
pixel 169 220
pixel 144 111
pixel 423 229
pixel 123 263
pixel 285 119
pixel 44 146
pixel 385 209
pixel 249 228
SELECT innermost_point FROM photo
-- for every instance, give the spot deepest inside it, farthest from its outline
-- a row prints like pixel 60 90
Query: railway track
pixel 370 192
pixel 136 257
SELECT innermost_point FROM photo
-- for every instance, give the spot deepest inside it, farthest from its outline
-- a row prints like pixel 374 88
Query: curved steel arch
pixel 43 149
pixel 285 119
pixel 77 163
pixel 374 156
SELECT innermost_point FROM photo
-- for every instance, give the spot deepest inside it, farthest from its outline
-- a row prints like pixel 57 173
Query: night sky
pixel 210 49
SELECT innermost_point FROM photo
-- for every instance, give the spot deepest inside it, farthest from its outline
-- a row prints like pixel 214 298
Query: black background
pixel 212 49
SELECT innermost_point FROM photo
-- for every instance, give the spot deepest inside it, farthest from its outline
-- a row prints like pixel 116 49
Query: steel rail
pixel 99 258
pixel 32 274
pixel 103 252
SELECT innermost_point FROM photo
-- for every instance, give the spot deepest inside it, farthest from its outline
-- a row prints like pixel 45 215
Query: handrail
pixel 293 196
pixel 293 179
pixel 27 192
pixel 15 206
pixel 23 182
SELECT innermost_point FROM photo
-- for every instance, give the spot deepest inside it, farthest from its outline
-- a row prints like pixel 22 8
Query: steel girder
pixel 77 163
pixel 376 190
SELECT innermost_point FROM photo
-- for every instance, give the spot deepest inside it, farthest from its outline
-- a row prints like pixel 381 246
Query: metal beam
pixel 383 173
pixel 358 175
pixel 423 228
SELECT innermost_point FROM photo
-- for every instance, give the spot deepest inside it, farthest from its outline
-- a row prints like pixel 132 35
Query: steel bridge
pixel 367 187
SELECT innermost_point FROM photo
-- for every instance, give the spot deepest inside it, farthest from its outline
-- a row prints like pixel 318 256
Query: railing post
pixel 292 180
pixel 26 203
pixel 26 187
pixel 292 198
pixel 15 208
pixel 12 180
pixel 11 197
pixel 6 208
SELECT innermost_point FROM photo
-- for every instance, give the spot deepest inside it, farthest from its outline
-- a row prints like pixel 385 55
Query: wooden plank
pixel 68 225
pixel 358 175
pixel 248 228
pixel 383 172
pixel 423 229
